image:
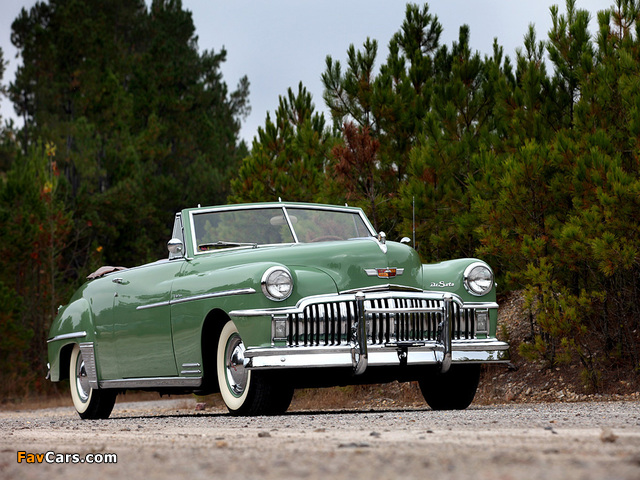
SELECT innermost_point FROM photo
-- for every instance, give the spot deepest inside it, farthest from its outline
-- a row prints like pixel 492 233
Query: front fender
pixel 449 277
pixel 188 316
pixel 308 281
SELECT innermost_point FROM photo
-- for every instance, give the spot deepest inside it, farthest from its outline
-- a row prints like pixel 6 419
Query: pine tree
pixel 390 106
pixel 7 133
pixel 137 114
pixel 288 156
pixel 34 240
pixel 563 223
pixel 571 53
pixel 443 166
pixel 358 174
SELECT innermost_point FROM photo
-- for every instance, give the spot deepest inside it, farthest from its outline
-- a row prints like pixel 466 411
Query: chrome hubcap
pixel 82 382
pixel 234 361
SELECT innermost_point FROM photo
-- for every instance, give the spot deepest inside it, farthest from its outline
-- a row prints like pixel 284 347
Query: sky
pixel 279 43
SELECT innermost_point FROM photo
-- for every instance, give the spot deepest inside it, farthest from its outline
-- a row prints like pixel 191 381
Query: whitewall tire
pixel 233 378
pixel 245 392
pixel 90 403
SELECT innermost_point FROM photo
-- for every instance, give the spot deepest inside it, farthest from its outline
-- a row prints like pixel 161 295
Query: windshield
pixel 268 226
pixel 326 225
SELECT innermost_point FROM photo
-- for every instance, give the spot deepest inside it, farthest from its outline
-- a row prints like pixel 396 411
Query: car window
pixel 269 226
pixel 326 225
pixel 251 226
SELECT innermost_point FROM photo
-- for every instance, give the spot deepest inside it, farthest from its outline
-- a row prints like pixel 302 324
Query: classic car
pixel 256 300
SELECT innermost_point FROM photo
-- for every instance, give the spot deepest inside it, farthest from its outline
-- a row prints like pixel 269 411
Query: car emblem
pixel 384 272
pixel 442 284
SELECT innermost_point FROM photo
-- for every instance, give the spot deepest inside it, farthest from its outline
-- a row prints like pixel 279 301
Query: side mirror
pixel 175 246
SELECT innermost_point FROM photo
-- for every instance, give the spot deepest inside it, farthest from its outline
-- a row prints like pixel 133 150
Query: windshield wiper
pixel 222 244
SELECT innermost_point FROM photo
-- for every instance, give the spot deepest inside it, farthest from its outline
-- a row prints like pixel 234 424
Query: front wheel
pixel 453 390
pixel 90 403
pixel 245 392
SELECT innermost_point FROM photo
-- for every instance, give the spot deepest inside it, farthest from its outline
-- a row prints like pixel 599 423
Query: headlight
pixel 277 283
pixel 478 279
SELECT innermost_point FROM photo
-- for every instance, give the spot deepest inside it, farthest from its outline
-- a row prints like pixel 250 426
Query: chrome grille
pixel 330 323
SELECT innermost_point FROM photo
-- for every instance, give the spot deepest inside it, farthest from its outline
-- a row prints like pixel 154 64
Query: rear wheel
pixel 453 390
pixel 245 392
pixel 90 403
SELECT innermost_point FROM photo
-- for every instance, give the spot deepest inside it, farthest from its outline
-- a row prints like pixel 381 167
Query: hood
pixel 359 263
pixel 327 267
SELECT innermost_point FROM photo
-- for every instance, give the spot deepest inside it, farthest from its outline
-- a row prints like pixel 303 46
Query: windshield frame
pixel 192 213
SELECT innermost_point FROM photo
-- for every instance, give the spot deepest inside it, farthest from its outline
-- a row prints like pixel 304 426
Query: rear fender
pixel 73 324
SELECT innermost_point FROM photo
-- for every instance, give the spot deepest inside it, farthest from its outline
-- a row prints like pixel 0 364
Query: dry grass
pixel 63 399
pixel 36 402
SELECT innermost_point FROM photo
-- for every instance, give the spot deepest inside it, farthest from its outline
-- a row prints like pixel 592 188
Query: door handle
pixel 117 280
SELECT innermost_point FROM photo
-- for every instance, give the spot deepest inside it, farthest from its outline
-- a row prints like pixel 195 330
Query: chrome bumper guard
pixel 376 329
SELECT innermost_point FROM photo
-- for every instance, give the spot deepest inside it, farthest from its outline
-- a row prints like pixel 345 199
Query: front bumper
pixel 377 329
pixel 468 351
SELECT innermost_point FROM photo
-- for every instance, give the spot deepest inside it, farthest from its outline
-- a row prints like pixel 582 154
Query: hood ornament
pixel 388 272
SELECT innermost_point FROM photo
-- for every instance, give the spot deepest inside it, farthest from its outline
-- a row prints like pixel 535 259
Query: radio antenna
pixel 413 202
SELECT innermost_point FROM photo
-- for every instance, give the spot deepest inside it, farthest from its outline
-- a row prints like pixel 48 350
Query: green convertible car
pixel 255 300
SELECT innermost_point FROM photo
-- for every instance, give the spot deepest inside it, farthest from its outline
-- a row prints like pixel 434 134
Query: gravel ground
pixel 168 438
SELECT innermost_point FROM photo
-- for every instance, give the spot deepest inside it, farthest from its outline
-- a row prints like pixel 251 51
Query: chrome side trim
pixel 89 358
pixel 226 293
pixel 154 305
pixel 191 369
pixel 159 382
pixel 67 336
pixel 175 301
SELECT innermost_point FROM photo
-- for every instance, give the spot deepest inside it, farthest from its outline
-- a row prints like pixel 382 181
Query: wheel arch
pixel 211 328
pixel 73 324
pixel 64 359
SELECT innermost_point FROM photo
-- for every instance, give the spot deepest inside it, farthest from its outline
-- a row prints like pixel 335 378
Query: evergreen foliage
pixel 288 156
pixel 35 239
pixel 563 221
pixel 136 111
pixel 137 124
pixel 530 163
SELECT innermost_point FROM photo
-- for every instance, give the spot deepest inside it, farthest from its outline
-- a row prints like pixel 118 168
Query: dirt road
pixel 170 439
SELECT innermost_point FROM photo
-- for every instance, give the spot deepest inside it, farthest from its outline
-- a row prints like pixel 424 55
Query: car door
pixel 141 320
